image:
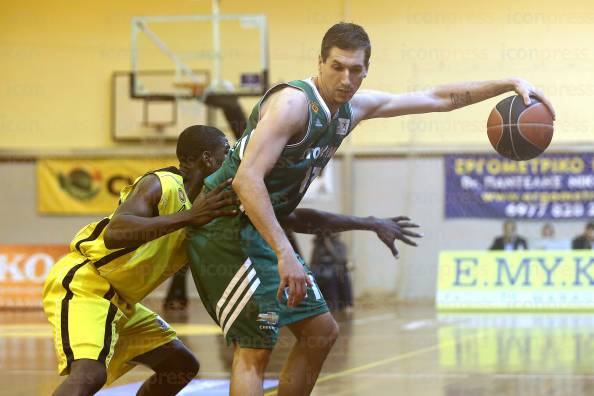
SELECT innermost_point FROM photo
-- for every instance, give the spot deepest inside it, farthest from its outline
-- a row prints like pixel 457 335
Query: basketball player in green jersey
pixel 249 278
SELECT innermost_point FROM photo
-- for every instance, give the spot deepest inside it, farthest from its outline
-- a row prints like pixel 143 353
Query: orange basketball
pixel 520 132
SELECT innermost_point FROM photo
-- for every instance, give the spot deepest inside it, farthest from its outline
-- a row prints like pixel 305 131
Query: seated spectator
pixel 548 231
pixel 586 240
pixel 548 241
pixel 509 240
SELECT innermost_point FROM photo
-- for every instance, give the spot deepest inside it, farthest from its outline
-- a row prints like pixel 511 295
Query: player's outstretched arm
pixel 312 221
pixel 137 219
pixel 284 116
pixel 376 104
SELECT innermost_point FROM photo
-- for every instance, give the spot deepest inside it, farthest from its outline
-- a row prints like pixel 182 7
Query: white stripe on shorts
pixel 242 287
pixel 242 270
pixel 315 289
pixel 241 305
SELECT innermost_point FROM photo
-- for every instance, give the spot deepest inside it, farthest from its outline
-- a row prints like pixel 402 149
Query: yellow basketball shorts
pixel 90 320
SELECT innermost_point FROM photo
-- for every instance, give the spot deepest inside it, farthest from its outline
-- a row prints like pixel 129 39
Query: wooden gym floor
pixel 384 349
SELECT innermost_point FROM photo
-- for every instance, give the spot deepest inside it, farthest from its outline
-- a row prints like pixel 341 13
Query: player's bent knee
pixel 172 363
pixel 86 377
pixel 191 365
pixel 329 327
pixel 182 361
pixel 329 333
pixel 179 368
pixel 333 331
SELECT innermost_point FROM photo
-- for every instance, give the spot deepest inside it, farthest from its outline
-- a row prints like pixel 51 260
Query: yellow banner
pixel 520 280
pixel 88 186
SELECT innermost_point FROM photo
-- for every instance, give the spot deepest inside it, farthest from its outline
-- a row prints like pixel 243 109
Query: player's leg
pixel 246 311
pixel 243 303
pixel 174 366
pixel 86 377
pixel 315 330
pixel 247 371
pixel 77 302
pixel 229 286
pixel 315 338
pixel 255 330
pixel 149 340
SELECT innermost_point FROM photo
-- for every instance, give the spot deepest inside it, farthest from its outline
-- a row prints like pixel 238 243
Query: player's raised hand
pixel 390 229
pixel 526 90
pixel 293 277
pixel 213 204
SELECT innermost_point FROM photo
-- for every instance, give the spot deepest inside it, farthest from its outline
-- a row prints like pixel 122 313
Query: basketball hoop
pixel 158 127
pixel 156 133
pixel 196 89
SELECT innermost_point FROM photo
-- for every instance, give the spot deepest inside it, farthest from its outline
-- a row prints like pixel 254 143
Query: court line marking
pixel 370 319
pixel 39 330
pixel 383 362
pixel 418 324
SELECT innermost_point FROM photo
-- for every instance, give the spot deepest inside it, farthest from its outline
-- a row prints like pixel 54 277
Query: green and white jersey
pixel 234 268
pixel 300 163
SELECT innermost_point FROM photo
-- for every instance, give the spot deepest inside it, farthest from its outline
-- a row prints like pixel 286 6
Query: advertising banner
pixel 552 186
pixel 23 270
pixel 516 281
pixel 88 186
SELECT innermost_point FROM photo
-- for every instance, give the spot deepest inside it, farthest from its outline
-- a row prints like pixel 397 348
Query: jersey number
pixel 311 174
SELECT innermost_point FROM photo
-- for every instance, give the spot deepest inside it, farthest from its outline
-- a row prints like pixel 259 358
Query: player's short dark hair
pixel 196 139
pixel 346 36
pixel 590 225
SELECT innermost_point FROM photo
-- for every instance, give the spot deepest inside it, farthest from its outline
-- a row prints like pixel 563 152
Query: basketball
pixel 520 132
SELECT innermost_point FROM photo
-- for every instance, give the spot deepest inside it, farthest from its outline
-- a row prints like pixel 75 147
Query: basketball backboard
pixel 233 48
pixel 152 117
pixel 206 56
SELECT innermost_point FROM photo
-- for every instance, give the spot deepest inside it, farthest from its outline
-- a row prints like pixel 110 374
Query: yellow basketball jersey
pixel 135 272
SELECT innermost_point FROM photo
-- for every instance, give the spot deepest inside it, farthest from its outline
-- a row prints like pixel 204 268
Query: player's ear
pixel 209 162
pixel 207 159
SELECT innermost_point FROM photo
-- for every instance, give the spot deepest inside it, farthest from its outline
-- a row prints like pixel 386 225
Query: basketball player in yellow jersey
pixel 91 296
